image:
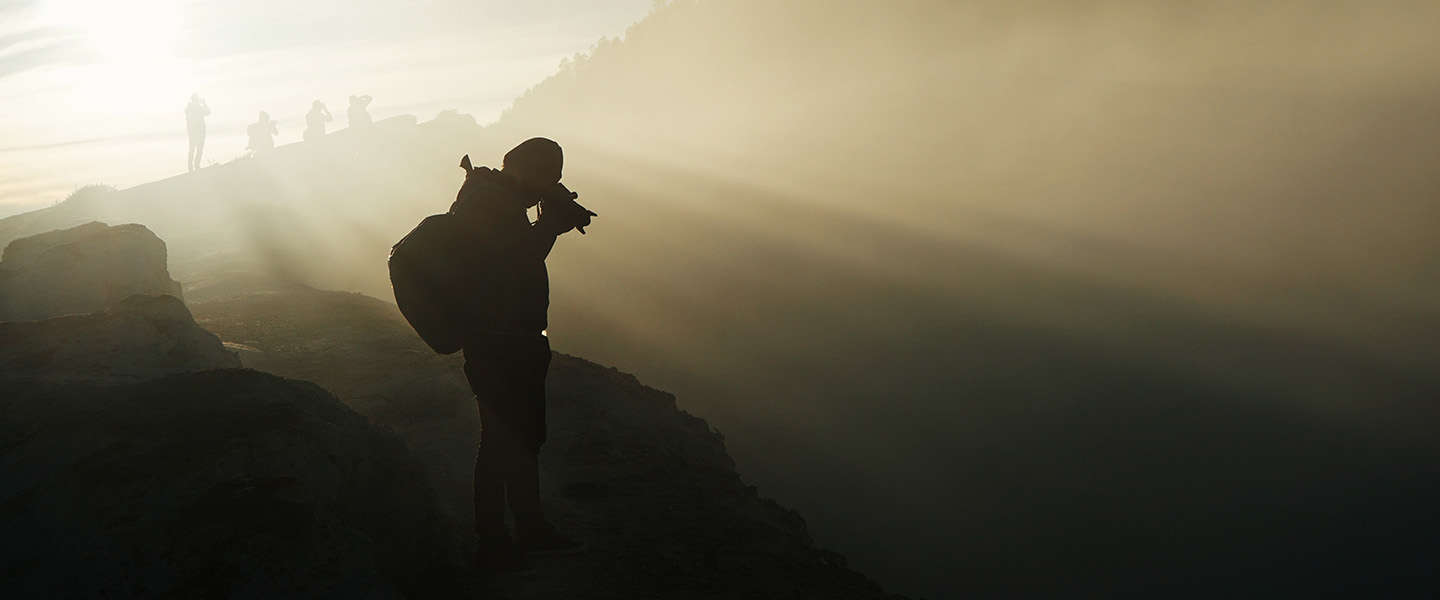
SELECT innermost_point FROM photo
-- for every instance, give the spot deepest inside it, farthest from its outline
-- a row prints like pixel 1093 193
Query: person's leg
pixel 486 379
pixel 199 151
pixel 510 384
pixel 523 491
pixel 533 531
pixel 524 486
pixel 489 493
pixel 496 551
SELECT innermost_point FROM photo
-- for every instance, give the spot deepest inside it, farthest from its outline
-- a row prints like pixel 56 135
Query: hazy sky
pixel 94 90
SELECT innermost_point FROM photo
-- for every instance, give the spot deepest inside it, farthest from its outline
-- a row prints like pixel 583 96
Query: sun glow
pixel 119 32
pixel 134 44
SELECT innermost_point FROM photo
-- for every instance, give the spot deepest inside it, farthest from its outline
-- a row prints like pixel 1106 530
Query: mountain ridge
pixel 1032 293
pixel 158 468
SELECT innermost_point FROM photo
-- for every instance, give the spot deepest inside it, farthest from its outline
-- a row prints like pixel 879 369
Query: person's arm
pixel 540 240
pixel 558 216
pixel 514 235
pixel 516 240
pixel 537 239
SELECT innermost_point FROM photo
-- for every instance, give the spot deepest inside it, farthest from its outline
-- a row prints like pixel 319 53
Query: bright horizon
pixel 999 298
pixel 95 93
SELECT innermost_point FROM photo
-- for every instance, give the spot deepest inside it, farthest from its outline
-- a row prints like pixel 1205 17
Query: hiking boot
pixel 497 555
pixel 546 541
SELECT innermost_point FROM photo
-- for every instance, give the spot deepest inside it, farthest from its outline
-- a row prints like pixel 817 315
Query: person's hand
pixel 559 209
pixel 563 214
pixel 582 219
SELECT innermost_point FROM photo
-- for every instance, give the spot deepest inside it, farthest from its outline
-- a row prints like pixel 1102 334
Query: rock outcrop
pixel 83 269
pixel 131 466
pixel 219 484
pixel 141 337
pixel 651 488
pixel 137 461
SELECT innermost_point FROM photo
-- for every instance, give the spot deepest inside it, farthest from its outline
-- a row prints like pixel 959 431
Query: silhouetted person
pixel 195 114
pixel 506 349
pixel 262 134
pixel 358 114
pixel 315 121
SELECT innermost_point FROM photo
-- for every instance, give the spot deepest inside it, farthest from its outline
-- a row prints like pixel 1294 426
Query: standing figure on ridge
pixel 262 134
pixel 503 300
pixel 315 121
pixel 358 115
pixel 195 114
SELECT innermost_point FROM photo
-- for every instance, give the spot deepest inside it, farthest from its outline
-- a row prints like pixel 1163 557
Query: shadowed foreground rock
pixel 83 269
pixel 649 487
pixel 219 484
pixel 141 337
pixel 130 467
pixel 136 462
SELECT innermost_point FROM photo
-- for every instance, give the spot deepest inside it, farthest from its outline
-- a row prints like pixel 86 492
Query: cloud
pixel 65 50
pixel 64 95
pixel 30 46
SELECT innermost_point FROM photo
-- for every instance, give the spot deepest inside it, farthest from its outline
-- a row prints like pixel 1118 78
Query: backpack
pixel 423 267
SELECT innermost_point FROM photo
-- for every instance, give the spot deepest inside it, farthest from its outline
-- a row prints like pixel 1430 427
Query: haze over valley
pixel 1002 298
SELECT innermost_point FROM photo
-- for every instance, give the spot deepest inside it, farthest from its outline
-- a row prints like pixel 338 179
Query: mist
pixel 94 91
pixel 1002 297
pixel 978 275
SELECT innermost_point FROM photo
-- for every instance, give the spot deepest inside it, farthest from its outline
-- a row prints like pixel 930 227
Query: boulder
pixel 220 484
pixel 83 269
pixel 139 338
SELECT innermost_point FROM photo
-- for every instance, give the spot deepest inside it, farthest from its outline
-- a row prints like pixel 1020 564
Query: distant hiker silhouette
pixel 315 121
pixel 358 114
pixel 475 279
pixel 195 114
pixel 262 134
